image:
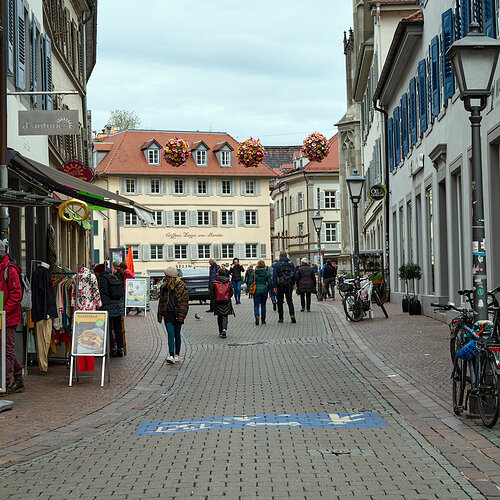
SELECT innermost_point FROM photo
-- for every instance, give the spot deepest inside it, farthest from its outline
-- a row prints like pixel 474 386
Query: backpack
pixel 116 290
pixel 221 291
pixel 285 273
pixel 25 287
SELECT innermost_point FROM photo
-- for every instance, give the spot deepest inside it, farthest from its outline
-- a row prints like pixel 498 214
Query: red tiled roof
pixel 416 16
pixel 220 145
pixel 103 146
pixel 125 156
pixel 331 162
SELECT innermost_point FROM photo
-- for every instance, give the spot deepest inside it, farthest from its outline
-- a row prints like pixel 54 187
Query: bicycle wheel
pixel 459 379
pixel 489 392
pixel 352 307
pixel 379 302
pixel 456 341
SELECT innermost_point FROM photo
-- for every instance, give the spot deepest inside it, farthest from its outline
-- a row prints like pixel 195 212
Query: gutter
pixel 307 215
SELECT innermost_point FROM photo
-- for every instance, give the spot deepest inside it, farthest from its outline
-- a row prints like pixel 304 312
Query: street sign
pixel 58 122
pixel 377 192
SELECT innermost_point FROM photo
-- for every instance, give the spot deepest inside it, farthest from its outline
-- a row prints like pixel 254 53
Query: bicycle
pixel 358 301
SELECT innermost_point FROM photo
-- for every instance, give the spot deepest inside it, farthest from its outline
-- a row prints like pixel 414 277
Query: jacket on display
pixel 85 295
pixel 43 297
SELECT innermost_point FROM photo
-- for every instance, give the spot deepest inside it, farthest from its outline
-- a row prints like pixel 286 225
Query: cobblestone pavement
pixel 273 368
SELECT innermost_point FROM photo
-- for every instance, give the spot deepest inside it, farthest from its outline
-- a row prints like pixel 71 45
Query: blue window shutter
pixel 422 96
pixel 446 67
pixel 464 17
pixel 10 27
pixel 390 143
pixel 489 18
pixel 34 85
pixel 412 111
pixel 397 136
pixel 434 55
pixel 404 124
pixel 47 71
pixel 20 46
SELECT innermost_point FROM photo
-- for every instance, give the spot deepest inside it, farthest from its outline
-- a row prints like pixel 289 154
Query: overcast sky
pixel 269 69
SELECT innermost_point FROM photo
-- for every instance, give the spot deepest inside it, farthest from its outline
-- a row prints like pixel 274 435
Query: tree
pixel 123 120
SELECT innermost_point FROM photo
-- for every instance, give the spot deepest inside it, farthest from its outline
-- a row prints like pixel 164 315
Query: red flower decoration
pixel 251 152
pixel 316 147
pixel 176 152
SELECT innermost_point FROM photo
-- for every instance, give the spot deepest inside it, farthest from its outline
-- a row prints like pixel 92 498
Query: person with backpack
pixel 12 295
pixel 212 275
pixel 329 276
pixel 221 292
pixel 284 277
pixel 236 278
pixel 272 293
pixel 306 284
pixel 263 283
pixel 112 293
pixel 173 306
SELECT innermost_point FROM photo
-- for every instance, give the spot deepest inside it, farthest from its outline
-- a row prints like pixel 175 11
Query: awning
pixel 71 186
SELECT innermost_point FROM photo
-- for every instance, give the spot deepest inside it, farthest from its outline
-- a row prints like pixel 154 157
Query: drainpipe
pixel 4 174
pixel 307 216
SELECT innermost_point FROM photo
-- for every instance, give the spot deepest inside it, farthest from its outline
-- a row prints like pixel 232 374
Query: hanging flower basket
pixel 176 152
pixel 316 147
pixel 250 152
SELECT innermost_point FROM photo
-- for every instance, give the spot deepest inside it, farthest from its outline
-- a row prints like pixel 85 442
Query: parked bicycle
pixel 357 302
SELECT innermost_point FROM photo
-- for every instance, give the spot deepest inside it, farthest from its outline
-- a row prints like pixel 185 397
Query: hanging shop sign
pixel 46 122
pixel 117 255
pixel 77 169
pixel 136 291
pixel 73 210
pixel 377 192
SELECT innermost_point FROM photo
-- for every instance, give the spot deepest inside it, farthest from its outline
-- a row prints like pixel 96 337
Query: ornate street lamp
pixel 318 222
pixel 474 59
pixel 355 185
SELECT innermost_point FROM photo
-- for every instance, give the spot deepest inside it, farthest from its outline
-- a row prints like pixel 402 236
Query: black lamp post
pixel 474 59
pixel 355 185
pixel 318 222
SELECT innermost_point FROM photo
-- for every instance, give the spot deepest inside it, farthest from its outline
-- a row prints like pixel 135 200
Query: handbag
pixel 253 286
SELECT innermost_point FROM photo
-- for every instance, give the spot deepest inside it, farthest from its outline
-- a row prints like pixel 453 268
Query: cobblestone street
pixel 320 366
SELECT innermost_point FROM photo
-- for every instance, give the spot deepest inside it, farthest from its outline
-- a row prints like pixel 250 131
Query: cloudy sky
pixel 270 69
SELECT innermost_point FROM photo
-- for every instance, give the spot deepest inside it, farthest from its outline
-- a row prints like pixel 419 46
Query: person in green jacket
pixel 264 283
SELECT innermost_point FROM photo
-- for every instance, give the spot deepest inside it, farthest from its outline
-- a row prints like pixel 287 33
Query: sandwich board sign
pixel 136 293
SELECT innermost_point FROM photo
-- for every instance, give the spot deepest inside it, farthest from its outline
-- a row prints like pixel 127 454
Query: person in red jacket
pixel 12 295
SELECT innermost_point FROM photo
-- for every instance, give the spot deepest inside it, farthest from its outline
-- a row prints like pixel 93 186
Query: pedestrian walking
pixel 248 272
pixel 221 292
pixel 112 293
pixel 263 283
pixel 284 277
pixel 272 293
pixel 235 274
pixel 329 276
pixel 12 295
pixel 212 275
pixel 173 306
pixel 306 284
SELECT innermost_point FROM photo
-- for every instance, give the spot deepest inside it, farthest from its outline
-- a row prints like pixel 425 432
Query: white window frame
pixel 153 156
pixel 329 197
pixel 225 158
pixel 182 215
pixel 130 220
pixel 300 202
pixel 249 250
pixel 250 187
pixel 228 251
pixel 156 251
pixel 330 228
pixel 203 217
pixel 226 213
pixel 155 186
pixel 201 158
pixel 228 184
pixel 135 251
pixel 251 218
pixel 155 218
pixel 205 183
pixel 178 186
pixel 203 251
pixel 180 251
pixel 130 186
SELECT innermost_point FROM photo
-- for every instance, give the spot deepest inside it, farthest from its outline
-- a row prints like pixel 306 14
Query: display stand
pixel 136 294
pixel 89 338
pixel 4 405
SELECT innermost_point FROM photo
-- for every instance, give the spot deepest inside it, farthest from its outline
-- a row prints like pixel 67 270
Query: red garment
pixel 12 292
pixel 86 364
pixel 129 275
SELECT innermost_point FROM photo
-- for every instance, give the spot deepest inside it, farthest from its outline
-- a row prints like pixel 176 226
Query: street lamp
pixel 318 222
pixel 355 185
pixel 474 59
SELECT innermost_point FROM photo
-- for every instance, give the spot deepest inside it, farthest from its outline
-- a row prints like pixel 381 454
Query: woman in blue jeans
pixel 235 273
pixel 263 281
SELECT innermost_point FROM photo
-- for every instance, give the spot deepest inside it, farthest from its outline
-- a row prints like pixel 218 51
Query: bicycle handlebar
pixel 447 307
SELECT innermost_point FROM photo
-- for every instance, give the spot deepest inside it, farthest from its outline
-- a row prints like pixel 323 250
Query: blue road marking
pixel 298 420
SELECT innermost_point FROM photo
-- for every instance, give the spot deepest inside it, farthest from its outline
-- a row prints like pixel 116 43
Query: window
pixel 225 158
pixel 157 217
pixel 180 217
pixel 227 218
pixel 249 187
pixel 130 220
pixel 154 156
pixel 203 218
pixel 180 251
pixel 331 231
pixel 300 231
pixel 178 186
pixel 130 186
pixel 202 187
pixel 250 217
pixel 292 204
pixel 226 187
pixel 203 251
pixel 227 251
pixel 330 199
pixel 154 186
pixel 300 202
pixel 201 157
pixel 251 250
pixel 277 211
pixel 135 251
pixel 156 252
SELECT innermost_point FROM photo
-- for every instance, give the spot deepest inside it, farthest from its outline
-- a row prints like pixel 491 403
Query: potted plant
pixel 403 274
pixel 377 279
pixel 414 272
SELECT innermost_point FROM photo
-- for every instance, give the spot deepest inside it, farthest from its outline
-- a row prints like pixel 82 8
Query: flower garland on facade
pixel 295 236
pixel 176 152
pixel 316 147
pixel 250 152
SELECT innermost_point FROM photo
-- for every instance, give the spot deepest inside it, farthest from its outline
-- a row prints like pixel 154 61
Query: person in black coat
pixel 115 308
pixel 235 274
pixel 212 275
pixel 222 308
pixel 306 284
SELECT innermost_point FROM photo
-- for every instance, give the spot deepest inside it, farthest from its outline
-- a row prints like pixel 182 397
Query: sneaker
pixel 16 386
pixel 293 319
pixel 280 320
pixel 223 334
pixel 177 358
pixel 302 310
pixel 256 320
pixel 274 306
pixel 170 360
pixel 263 321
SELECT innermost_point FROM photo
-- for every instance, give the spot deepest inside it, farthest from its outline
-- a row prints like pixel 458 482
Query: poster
pixel 89 333
pixel 116 255
pixel 136 292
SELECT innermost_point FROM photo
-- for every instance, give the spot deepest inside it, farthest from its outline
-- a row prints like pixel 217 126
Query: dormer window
pixel 153 156
pixel 201 157
pixel 151 149
pixel 200 153
pixel 223 152
pixel 225 158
